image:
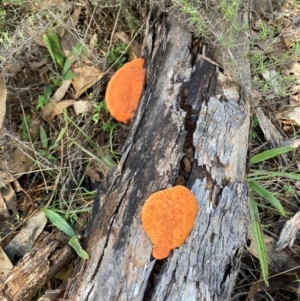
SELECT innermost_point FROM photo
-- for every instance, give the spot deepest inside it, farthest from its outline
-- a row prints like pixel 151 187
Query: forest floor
pixel 56 59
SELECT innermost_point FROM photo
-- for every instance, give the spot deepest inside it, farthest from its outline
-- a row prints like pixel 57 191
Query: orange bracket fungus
pixel 168 217
pixel 124 90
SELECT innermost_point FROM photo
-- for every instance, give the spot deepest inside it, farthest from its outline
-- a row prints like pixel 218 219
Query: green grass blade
pixel 267 195
pixel 265 174
pixel 43 137
pixel 60 135
pixel 103 160
pixel 270 154
pixel 59 222
pixel 259 238
pixel 75 244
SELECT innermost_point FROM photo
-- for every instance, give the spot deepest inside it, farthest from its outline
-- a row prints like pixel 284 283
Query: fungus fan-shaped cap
pixel 124 90
pixel 168 217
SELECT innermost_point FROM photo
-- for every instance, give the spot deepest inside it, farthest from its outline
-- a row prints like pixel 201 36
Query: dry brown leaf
pixel 61 91
pixel 73 20
pixel 3 95
pixel 5 265
pixel 34 128
pixel 135 48
pixel 52 109
pixel 65 31
pixel 9 195
pixel 3 208
pixel 21 162
pixel 93 174
pixel 295 89
pixel 289 232
pixel 280 282
pixel 24 240
pixel 93 41
pixel 83 106
pixel 294 114
pixel 270 131
pixel 291 35
pixel 86 77
pixel 17 186
pixel 278 261
pixel 69 40
pixel 294 69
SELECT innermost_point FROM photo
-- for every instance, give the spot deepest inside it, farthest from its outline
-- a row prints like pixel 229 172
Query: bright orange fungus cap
pixel 168 217
pixel 124 90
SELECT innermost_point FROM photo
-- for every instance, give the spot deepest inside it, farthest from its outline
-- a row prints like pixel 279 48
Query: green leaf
pixel 43 137
pixel 71 59
pixel 267 195
pixel 75 244
pixel 59 222
pixel 59 137
pixel 67 67
pixel 53 45
pixel 259 238
pixel 270 154
pixel 69 75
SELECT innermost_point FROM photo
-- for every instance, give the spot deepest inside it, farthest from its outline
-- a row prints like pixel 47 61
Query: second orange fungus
pixel 124 90
pixel 168 217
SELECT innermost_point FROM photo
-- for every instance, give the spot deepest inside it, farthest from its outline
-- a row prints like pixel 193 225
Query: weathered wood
pixel 35 269
pixel 205 267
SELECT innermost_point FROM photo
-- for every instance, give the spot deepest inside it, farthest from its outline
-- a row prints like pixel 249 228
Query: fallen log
pixel 36 268
pixel 191 128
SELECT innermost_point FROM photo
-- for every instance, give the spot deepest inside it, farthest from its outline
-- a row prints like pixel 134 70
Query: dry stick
pixel 112 35
pixel 18 226
pixel 261 280
pixel 89 25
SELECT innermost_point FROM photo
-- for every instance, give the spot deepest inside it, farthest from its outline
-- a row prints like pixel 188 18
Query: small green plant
pixel 59 59
pixel 2 17
pixel 266 32
pixel 24 128
pixel 46 150
pixel 107 126
pixel 117 55
pixel 229 8
pixel 52 43
pixel 289 190
pixel 99 107
pixel 254 125
pixel 44 99
pixel 60 223
pixel 256 189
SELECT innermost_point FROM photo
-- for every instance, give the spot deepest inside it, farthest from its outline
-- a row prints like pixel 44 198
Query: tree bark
pixel 187 105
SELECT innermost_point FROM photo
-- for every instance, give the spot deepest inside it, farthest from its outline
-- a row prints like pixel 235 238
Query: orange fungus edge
pixel 168 217
pixel 124 90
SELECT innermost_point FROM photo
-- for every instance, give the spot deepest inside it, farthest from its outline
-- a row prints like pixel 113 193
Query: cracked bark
pixel 206 265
